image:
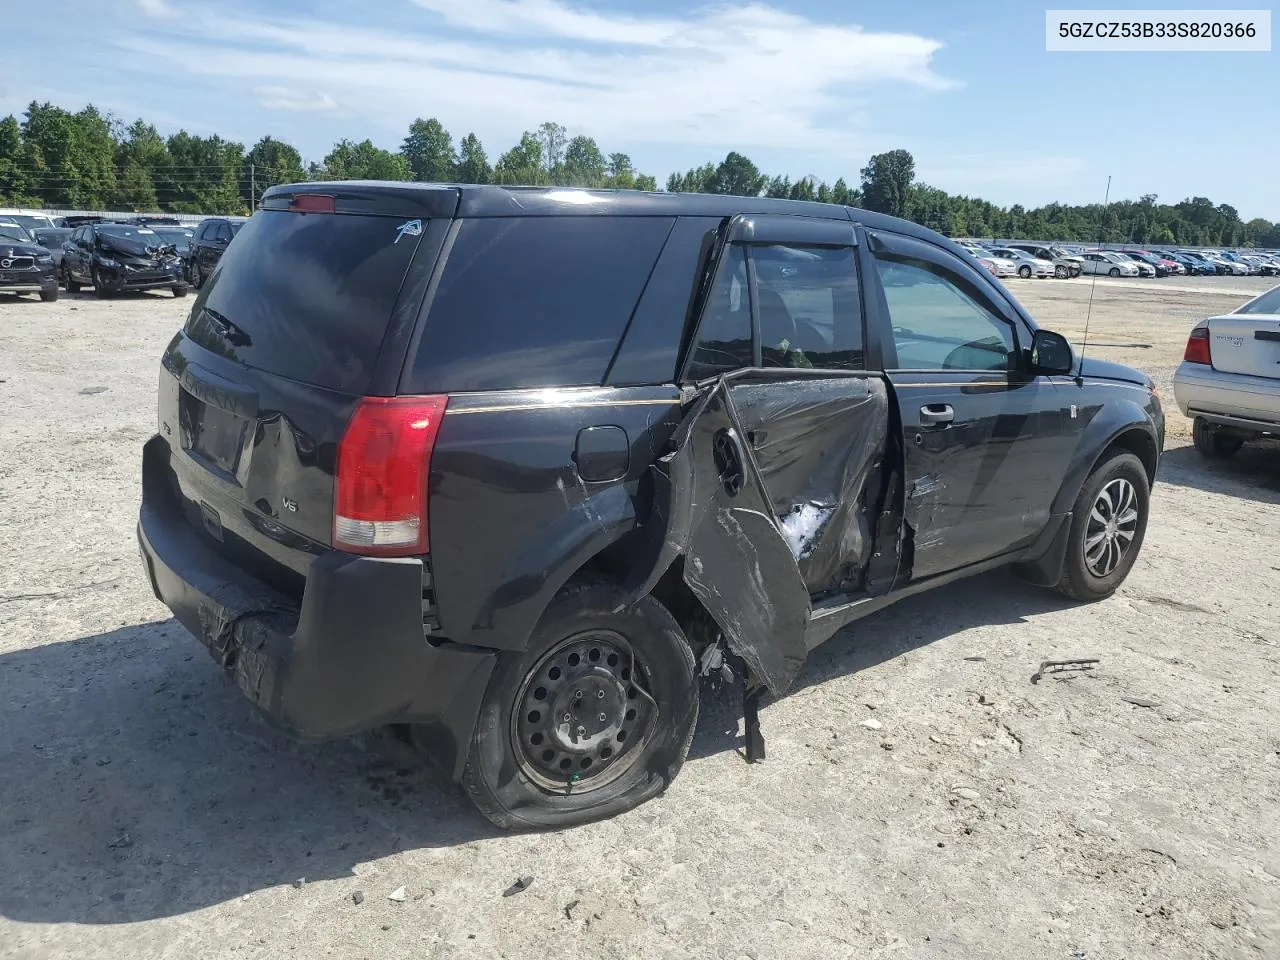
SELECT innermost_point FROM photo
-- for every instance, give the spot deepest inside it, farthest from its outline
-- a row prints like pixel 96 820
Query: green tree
pixel 522 164
pixel 204 176
pixel 268 163
pixel 17 181
pixel 428 149
pixel 473 165
pixel 552 138
pixel 885 180
pixel 363 161
pixel 584 163
pixel 738 176
pixel 646 182
pixel 620 173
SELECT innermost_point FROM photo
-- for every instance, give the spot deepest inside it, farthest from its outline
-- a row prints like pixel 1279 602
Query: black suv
pixel 25 266
pixel 212 238
pixel 508 469
pixel 117 257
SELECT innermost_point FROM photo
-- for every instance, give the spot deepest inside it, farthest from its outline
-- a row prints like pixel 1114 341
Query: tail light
pixel 384 464
pixel 1198 346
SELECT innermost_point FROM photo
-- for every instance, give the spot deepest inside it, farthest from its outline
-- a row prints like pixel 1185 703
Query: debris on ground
pixel 92 391
pixel 1059 666
pixel 357 897
pixel 568 908
pixel 1141 701
pixel 299 883
pixel 398 895
pixel 520 885
pixel 871 724
pixel 966 793
pixel 121 842
pixel 976 659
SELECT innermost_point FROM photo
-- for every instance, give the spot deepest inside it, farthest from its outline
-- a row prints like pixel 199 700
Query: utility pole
pixel 253 188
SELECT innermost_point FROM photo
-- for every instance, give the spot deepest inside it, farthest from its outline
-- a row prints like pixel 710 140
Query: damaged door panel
pixel 772 493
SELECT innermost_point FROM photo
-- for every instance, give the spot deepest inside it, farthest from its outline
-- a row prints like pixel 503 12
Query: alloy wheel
pixel 1113 523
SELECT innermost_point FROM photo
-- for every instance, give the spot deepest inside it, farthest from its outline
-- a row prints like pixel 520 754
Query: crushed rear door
pixel 772 494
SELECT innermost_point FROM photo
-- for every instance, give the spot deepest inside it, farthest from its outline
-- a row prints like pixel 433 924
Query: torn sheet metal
pixel 819 444
pixel 710 506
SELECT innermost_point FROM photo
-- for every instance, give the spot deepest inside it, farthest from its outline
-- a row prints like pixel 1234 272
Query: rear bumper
pixel 354 656
pixel 1201 390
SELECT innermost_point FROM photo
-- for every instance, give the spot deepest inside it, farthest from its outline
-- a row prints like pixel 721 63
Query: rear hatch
pixel 1246 343
pixel 287 334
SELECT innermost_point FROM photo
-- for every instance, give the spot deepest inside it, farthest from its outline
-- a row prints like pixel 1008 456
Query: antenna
pixel 1084 344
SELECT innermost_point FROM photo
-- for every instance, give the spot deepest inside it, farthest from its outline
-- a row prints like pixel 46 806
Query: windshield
pixel 128 232
pixel 174 235
pixel 27 220
pixel 1268 302
pixel 15 233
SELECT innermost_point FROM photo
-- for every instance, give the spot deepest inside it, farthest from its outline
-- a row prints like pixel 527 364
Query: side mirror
pixel 1051 353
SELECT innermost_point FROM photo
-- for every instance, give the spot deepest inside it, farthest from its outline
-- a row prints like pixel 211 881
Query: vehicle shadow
pixel 137 784
pixel 1253 473
pixel 993 598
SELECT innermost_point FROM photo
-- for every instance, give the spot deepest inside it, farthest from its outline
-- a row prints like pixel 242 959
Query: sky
pixel 802 87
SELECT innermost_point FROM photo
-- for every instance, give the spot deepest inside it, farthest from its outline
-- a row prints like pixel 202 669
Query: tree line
pixel 91 160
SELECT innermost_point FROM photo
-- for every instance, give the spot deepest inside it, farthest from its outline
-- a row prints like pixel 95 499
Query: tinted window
pixel 724 335
pixel 807 298
pixel 937 323
pixel 208 231
pixel 534 301
pixel 305 296
pixel 224 232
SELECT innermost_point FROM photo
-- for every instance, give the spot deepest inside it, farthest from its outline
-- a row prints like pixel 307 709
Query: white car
pixel 1229 380
pixel 1233 268
pixel 1025 264
pixel 1107 264
pixel 1002 266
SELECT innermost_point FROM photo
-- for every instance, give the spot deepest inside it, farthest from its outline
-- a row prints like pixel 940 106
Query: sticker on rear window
pixel 411 228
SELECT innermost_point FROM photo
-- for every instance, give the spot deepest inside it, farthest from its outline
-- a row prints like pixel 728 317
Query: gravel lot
pixel 145 812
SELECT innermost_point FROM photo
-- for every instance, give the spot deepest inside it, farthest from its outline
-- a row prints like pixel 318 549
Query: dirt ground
pixel 145 812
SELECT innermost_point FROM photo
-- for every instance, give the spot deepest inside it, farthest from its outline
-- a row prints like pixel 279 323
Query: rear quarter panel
pixel 510 518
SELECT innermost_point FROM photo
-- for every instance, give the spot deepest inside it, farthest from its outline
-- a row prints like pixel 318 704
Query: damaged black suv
pixel 507 469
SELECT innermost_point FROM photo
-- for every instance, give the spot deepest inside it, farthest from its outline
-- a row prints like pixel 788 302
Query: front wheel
pixel 1108 523
pixel 593 718
pixel 100 289
pixel 179 289
pixel 1113 272
pixel 197 278
pixel 1024 273
pixel 1060 272
pixel 49 295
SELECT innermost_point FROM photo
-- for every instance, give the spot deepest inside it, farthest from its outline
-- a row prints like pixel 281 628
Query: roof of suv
pixel 470 200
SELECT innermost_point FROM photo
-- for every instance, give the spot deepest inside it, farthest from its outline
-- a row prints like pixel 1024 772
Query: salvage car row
pixel 112 256
pixel 1029 260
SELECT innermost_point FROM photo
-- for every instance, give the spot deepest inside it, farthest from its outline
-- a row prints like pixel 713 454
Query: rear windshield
pixel 305 296
pixel 534 301
pixel 1268 302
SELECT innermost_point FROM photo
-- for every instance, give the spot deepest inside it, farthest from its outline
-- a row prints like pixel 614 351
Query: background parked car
pixel 1148 265
pixel 1004 267
pixel 1064 264
pixel 25 266
pixel 52 238
pixel 1027 265
pixel 1229 266
pixel 1107 264
pixel 114 257
pixel 212 238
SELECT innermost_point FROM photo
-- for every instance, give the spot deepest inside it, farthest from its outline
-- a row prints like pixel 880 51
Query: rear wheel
pixel 593 718
pixel 1024 272
pixel 1108 523
pixel 71 285
pixel 197 278
pixel 1212 442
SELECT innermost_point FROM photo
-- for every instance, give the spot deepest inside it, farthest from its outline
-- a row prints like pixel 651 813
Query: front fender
pixel 526 586
pixel 1115 416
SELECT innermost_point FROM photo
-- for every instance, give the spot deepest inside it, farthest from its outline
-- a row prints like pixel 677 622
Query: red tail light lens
pixel 1198 347
pixel 384 463
pixel 313 203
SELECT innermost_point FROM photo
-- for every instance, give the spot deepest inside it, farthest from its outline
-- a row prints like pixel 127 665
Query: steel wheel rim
pixel 1111 528
pixel 584 713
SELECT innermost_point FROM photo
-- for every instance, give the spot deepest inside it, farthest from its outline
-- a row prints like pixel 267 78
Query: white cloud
pixel 750 76
pixel 283 98
pixel 156 8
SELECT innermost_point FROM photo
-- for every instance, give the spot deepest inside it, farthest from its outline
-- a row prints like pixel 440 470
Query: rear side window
pixel 305 296
pixel 534 301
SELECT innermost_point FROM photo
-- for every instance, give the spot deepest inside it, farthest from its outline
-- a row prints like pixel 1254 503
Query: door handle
pixel 936 414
